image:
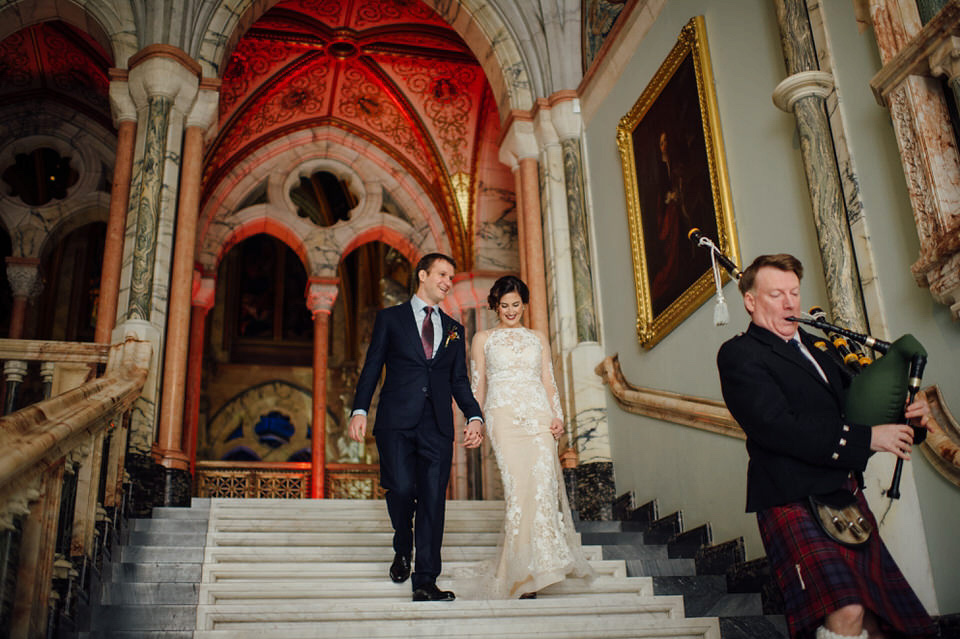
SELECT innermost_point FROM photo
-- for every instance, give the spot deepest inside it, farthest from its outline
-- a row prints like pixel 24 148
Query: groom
pixel 423 351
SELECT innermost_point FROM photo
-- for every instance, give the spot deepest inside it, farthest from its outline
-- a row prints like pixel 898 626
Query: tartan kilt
pixel 818 576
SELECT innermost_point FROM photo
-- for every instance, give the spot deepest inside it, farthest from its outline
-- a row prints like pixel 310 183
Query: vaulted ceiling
pixel 391 72
pixel 54 60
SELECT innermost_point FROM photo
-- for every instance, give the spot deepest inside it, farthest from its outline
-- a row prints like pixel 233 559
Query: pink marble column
pixel 116 224
pixel 321 295
pixel 203 298
pixel 170 425
pixel 532 242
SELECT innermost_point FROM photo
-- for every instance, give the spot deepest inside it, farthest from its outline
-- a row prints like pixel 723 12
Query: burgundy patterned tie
pixel 426 333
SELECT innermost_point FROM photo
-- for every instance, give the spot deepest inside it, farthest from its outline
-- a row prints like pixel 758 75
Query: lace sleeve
pixel 549 382
pixel 478 375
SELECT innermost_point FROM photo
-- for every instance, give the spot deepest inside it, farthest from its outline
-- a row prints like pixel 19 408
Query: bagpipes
pixel 876 390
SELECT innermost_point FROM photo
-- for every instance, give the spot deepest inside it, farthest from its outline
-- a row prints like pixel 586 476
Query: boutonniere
pixel 452 336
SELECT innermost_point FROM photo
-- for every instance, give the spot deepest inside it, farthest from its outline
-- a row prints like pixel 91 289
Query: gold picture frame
pixel 675 177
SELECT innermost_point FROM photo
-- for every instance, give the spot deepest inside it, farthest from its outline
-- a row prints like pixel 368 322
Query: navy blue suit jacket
pixel 411 379
pixel 798 439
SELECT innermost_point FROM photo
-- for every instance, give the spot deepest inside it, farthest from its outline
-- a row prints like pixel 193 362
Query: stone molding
pixel 801 85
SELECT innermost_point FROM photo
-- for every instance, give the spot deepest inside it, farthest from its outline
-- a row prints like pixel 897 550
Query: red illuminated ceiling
pixel 54 60
pixel 390 71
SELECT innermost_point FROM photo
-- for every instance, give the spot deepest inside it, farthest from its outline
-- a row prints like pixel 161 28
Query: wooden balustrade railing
pixel 286 480
pixel 61 469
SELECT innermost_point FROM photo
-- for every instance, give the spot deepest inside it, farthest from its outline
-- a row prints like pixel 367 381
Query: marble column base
pixel 595 490
pixel 177 487
pixel 570 483
pixel 146 484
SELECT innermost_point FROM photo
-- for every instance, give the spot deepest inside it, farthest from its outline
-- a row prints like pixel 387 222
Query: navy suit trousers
pixel 414 472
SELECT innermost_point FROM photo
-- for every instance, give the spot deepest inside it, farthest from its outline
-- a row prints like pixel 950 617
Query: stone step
pixel 137 618
pixel 156 593
pixel 707 596
pixel 168 525
pixel 383 539
pixel 160 555
pixel 351 590
pixel 660 567
pixel 323 571
pixel 164 538
pixel 352 527
pixel 646 551
pixel 265 554
pixel 154 572
pixel 610 627
pixel 254 506
pixel 459 618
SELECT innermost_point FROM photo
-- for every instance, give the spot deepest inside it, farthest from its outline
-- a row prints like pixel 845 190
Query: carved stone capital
pixel 23 275
pixel 802 85
pixel 945 60
pixel 204 291
pixel 321 295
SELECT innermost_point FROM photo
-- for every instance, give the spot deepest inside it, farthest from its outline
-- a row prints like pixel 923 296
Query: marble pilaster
pixel 804 93
pixel 321 296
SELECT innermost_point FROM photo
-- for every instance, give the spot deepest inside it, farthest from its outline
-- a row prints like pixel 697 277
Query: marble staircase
pixel 283 568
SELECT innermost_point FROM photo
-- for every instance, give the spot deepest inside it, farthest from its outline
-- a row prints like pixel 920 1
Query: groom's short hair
pixel 427 261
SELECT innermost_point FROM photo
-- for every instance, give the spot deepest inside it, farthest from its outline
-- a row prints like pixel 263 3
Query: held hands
pixel 898 438
pixel 556 428
pixel 473 434
pixel 357 427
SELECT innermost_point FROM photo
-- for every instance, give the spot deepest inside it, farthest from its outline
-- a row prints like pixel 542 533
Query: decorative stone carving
pixel 23 275
pixel 912 56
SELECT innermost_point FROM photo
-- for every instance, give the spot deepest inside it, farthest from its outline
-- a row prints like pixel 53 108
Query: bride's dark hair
pixel 504 285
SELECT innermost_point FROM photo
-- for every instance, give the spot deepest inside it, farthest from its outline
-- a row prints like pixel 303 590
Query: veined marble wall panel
pixel 495 239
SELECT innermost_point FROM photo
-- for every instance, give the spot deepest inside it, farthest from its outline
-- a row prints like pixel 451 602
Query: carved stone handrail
pixel 52 351
pixel 36 437
pixel 941 447
pixel 697 412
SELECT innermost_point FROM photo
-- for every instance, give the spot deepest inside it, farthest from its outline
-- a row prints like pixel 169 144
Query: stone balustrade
pixel 62 473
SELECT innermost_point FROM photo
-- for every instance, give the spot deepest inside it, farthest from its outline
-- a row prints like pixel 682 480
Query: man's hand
pixel 892 438
pixel 556 428
pixel 919 412
pixel 473 434
pixel 357 427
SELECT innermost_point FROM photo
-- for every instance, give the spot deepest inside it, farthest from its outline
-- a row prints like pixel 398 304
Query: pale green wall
pixel 701 473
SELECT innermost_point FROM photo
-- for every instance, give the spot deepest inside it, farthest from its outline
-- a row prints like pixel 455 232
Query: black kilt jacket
pixel 797 438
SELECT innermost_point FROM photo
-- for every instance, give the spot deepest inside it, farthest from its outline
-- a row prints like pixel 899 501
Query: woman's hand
pixel 556 428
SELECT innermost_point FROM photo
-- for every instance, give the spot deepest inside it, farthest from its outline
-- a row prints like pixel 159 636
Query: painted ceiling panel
pixel 55 57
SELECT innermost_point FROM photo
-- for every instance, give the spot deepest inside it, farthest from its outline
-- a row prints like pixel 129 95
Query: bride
pixel 513 381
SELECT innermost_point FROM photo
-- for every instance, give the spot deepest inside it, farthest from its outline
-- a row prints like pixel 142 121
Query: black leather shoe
pixel 400 568
pixel 430 592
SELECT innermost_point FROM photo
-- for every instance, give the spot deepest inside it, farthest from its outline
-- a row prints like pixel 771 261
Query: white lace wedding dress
pixel 539 546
